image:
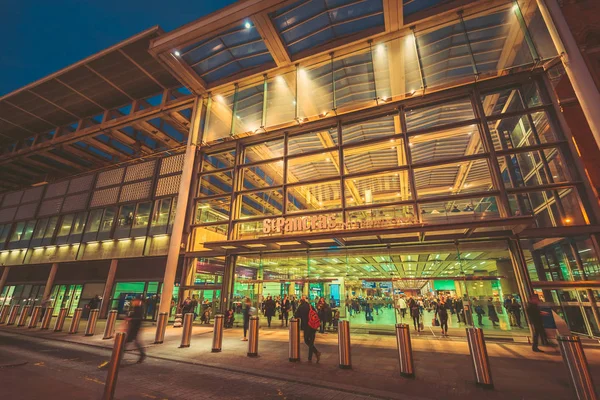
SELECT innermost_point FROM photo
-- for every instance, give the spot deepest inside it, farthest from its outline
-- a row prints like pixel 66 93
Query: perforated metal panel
pixel 168 185
pixel 26 211
pixel 50 207
pixel 109 178
pixel 81 184
pixel 32 194
pixel 172 164
pixel 56 189
pixel 12 199
pixel 7 214
pixel 140 171
pixel 75 202
pixel 105 197
pixel 135 191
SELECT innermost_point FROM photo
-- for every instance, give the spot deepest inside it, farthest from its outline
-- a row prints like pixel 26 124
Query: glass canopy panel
pixel 213 210
pixel 313 167
pixel 318 196
pixel 281 99
pixel 315 90
pixel 382 155
pixel 454 178
pixel 377 189
pixel 264 151
pixel 262 175
pixel 214 161
pixel 414 6
pixel 220 115
pixel 262 203
pixel 235 50
pixel 312 141
pixel 439 114
pixel 306 24
pixel 215 184
pixel 449 143
pixel 248 109
pixel 445 56
pixel 386 126
pixel 354 80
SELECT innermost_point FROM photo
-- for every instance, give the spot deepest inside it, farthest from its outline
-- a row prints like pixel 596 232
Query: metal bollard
pixel 574 358
pixel 344 344
pixel 90 328
pixel 60 321
pixel 113 367
pixel 186 335
pixel 217 343
pixel 253 337
pixel 35 316
pixel 294 340
pixel 75 321
pixel 481 362
pixel 405 354
pixel 47 318
pixel 23 316
pixel 161 327
pixel 109 329
pixel 4 313
pixel 13 314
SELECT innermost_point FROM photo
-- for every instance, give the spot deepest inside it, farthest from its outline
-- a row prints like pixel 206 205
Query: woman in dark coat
pixel 285 310
pixel 269 309
pixel 414 313
pixel 442 313
pixel 492 314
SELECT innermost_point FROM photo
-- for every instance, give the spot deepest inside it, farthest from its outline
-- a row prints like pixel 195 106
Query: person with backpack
pixel 309 323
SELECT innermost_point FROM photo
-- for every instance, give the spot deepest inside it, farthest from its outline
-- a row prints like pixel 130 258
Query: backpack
pixel 313 319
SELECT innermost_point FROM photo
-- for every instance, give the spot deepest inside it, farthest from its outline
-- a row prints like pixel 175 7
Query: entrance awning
pixel 416 233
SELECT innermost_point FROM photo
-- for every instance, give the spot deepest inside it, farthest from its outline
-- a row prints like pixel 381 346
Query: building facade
pixel 357 151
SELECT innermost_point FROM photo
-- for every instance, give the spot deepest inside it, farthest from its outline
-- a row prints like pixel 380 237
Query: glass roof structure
pixel 307 24
pixel 235 50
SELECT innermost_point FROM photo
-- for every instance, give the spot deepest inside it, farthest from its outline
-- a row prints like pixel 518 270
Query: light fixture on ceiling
pixel 247 25
pixel 177 53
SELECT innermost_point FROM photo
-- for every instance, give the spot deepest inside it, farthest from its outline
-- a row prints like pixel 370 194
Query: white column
pixel 182 204
pixel 575 66
pixel 108 288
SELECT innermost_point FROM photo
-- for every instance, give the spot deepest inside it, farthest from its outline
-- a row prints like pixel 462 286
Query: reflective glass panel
pixel 317 196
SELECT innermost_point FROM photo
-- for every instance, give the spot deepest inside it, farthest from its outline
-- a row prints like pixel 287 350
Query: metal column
pixel 574 358
pixel 12 317
pixel 47 318
pixel 294 340
pixel 253 337
pixel 109 329
pixel 186 334
pixel 405 355
pixel 23 316
pixel 481 362
pixel 217 343
pixel 161 327
pixel 4 313
pixel 113 366
pixel 35 316
pixel 75 321
pixel 344 344
pixel 60 321
pixel 90 328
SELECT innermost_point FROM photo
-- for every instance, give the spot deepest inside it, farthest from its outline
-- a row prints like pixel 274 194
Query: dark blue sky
pixel 39 37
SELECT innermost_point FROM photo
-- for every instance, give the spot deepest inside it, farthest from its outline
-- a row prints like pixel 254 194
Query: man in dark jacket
pixel 134 322
pixel 535 318
pixel 309 333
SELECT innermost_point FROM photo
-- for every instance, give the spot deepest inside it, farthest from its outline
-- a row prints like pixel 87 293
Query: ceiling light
pixel 177 53
pixel 247 25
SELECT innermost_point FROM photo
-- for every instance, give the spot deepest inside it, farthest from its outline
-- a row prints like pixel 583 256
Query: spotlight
pixel 247 25
pixel 177 53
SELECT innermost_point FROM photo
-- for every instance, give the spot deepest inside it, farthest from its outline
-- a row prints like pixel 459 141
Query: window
pixel 126 216
pixel 16 235
pixel 79 223
pixel 28 232
pixel 51 228
pixel 40 229
pixel 65 225
pixel 108 219
pixel 162 208
pixel 142 215
pixel 4 230
pixel 94 221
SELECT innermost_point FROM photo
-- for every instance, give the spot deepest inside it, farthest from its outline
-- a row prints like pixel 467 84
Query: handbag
pixel 313 319
pixel 435 322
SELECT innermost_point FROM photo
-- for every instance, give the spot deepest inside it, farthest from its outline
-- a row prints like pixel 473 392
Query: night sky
pixel 39 37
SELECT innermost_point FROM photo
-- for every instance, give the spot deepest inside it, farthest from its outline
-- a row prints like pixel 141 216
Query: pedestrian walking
pixel 269 305
pixel 401 305
pixel 535 318
pixel 309 323
pixel 285 310
pixel 246 311
pixel 515 309
pixel 134 322
pixel 414 313
pixel 442 314
pixel 492 314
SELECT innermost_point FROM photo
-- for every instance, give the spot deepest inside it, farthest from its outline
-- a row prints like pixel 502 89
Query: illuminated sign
pixel 328 222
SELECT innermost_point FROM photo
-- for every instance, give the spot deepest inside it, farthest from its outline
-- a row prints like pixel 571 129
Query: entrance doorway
pixel 66 296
